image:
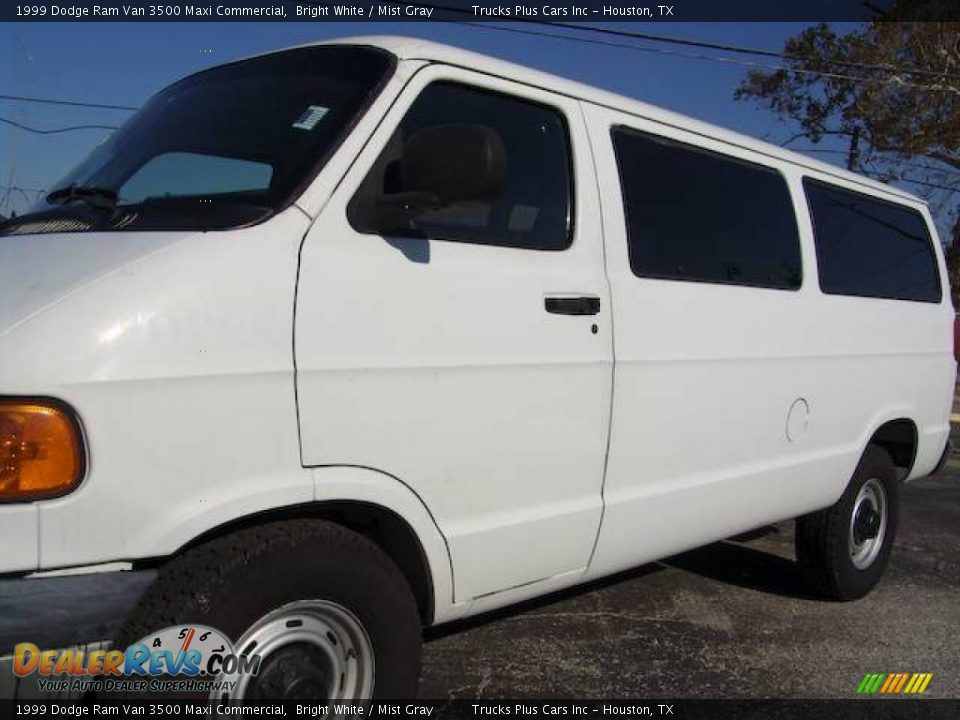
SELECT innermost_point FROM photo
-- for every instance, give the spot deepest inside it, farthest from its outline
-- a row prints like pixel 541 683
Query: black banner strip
pixel 544 11
pixel 536 709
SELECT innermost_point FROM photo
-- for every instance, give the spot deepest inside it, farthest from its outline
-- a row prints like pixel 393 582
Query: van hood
pixel 37 271
pixel 82 310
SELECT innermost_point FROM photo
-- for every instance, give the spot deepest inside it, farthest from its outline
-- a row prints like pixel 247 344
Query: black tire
pixel 232 581
pixel 823 538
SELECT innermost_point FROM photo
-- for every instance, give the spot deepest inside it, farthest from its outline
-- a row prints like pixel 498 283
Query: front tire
pixel 330 614
pixel 843 550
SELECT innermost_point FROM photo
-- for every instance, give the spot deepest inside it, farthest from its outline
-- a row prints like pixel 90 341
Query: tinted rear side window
pixel 700 216
pixel 871 248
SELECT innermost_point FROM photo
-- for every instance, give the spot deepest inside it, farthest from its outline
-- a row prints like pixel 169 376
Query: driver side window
pixel 531 206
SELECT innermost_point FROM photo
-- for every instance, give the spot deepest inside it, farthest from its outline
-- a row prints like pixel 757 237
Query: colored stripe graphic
pixel 870 683
pixel 903 680
pixel 918 683
pixel 894 683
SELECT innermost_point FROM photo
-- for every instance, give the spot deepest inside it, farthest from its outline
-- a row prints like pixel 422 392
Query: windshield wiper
pixel 99 198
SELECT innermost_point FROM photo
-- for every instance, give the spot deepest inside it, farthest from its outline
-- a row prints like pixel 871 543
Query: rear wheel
pixel 330 615
pixel 843 550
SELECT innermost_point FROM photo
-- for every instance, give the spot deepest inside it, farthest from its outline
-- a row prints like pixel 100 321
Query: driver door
pixel 470 357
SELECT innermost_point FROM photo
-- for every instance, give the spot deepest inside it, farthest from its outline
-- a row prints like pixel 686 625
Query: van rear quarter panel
pixel 706 375
pixel 882 359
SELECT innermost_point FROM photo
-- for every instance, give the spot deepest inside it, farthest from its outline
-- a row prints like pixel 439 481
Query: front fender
pixel 320 485
pixel 366 485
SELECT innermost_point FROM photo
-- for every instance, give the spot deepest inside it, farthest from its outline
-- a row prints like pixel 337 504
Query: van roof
pixel 410 48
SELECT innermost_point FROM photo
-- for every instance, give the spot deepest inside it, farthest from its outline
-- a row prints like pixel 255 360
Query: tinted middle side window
pixel 700 216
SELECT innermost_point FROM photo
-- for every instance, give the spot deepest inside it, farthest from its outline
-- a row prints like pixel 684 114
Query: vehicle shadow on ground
pixel 732 563
pixel 729 562
pixel 542 601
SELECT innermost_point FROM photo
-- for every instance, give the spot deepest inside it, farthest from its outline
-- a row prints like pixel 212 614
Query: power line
pixel 688 42
pixel 24 192
pixel 54 131
pixel 925 183
pixel 72 103
pixel 612 32
pixel 756 51
pixel 832 151
pixel 918 166
pixel 572 26
pixel 690 55
pixel 20 187
pixel 886 177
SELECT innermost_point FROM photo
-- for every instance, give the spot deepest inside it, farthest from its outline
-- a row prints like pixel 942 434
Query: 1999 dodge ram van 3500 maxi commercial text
pixel 350 339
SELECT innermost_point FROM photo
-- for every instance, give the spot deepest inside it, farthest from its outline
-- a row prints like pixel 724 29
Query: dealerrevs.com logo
pixel 185 658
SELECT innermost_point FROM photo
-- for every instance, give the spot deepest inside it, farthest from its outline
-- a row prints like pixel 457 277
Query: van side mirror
pixel 440 166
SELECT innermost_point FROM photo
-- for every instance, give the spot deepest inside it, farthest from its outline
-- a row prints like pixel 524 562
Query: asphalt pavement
pixel 730 620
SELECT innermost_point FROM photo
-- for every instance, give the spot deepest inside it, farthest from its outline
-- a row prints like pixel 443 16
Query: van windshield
pixel 223 148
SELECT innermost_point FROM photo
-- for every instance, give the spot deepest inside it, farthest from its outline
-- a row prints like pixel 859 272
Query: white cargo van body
pixel 482 333
pixel 736 405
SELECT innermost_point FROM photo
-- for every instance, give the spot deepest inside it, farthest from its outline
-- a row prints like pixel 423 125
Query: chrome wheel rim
pixel 868 524
pixel 309 650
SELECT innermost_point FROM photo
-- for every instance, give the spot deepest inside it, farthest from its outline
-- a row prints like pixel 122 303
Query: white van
pixel 360 337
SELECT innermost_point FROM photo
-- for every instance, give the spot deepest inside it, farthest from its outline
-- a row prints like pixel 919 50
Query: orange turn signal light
pixel 41 453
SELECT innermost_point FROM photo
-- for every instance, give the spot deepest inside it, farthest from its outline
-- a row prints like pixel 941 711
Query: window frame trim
pixel 807 181
pixel 623 127
pixel 571 194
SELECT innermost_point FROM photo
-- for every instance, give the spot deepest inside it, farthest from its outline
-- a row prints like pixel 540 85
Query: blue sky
pixel 124 63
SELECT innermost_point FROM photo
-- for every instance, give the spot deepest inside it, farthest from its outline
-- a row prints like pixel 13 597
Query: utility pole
pixel 853 156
